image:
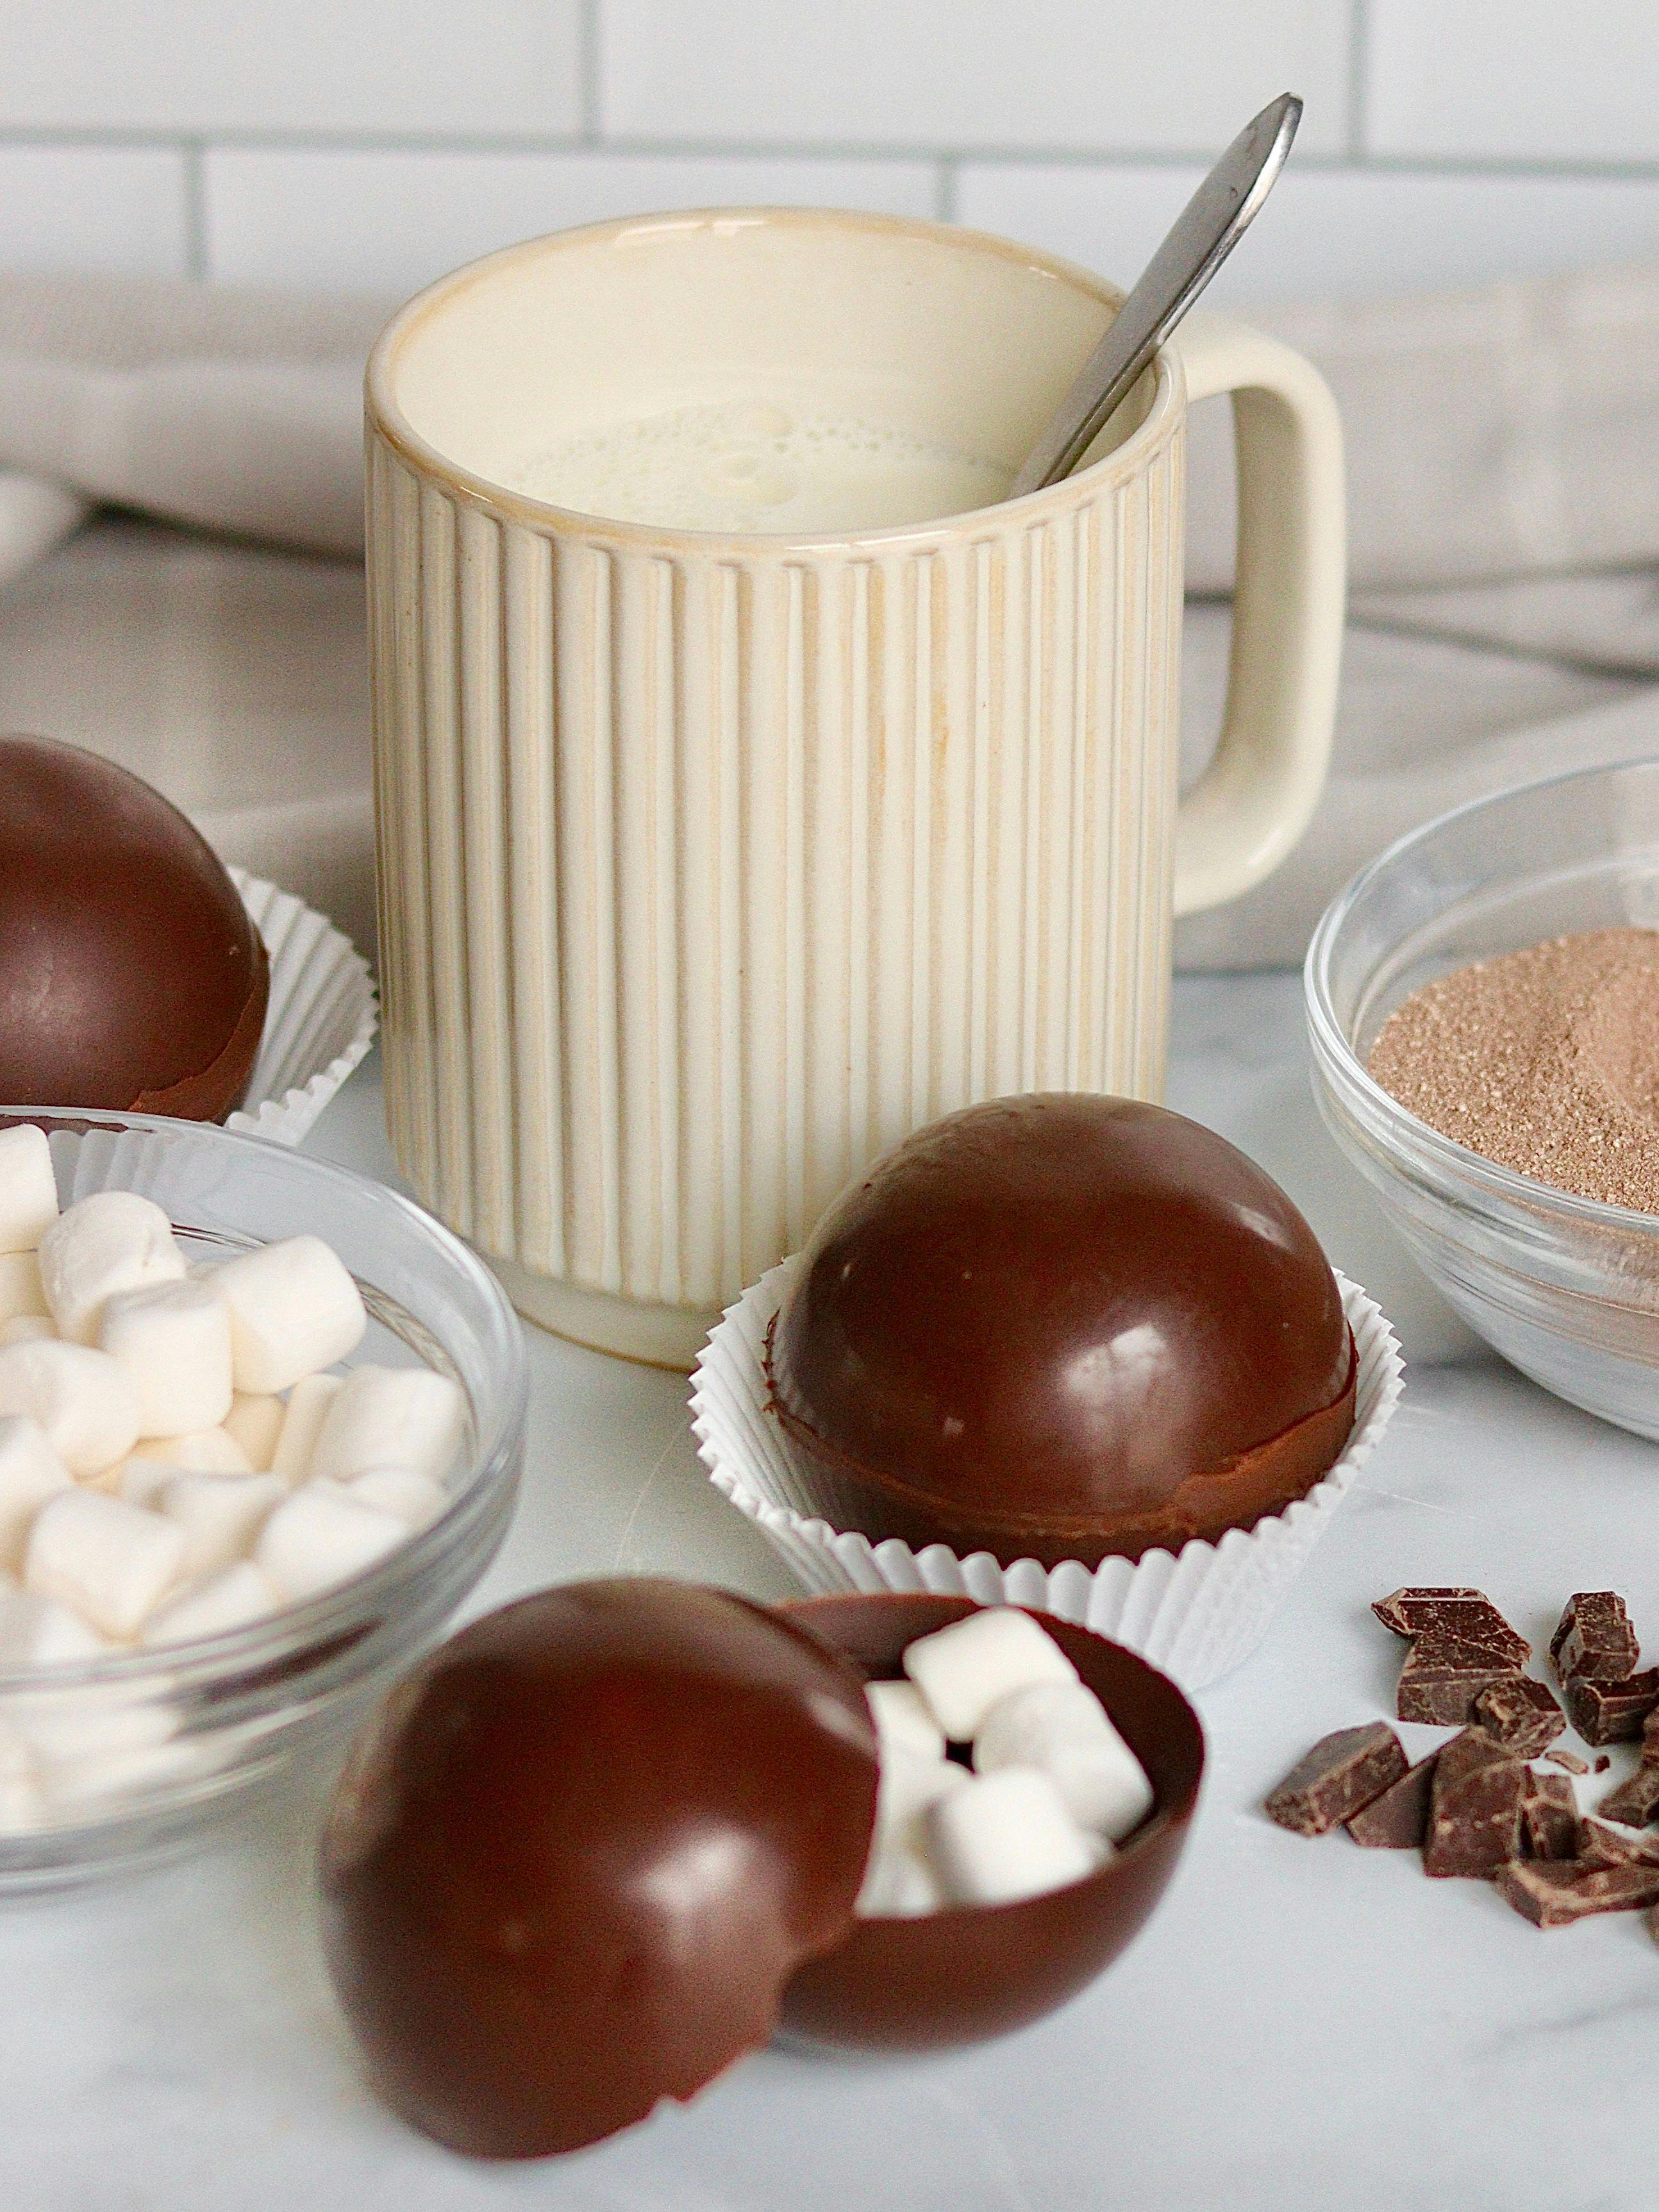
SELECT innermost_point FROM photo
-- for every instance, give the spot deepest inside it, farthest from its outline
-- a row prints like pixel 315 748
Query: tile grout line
pixel 589 77
pixel 1359 71
pixel 196 227
pixel 1475 168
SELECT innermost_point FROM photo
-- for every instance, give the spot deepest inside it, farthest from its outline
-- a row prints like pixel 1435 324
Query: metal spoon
pixel 1205 233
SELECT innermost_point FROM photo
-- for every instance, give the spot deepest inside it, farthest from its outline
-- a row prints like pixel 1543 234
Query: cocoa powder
pixel 1546 1060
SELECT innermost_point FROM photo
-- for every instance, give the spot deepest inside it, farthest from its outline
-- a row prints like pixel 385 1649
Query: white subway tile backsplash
pixel 1181 76
pixel 391 221
pixel 441 66
pixel 1513 79
pixel 1327 234
pixel 95 209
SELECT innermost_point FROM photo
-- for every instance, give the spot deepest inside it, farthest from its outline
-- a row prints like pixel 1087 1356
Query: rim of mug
pixel 385 416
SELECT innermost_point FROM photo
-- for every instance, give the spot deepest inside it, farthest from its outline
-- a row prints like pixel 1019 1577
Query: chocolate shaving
pixel 1443 1675
pixel 1552 1895
pixel 1469 1614
pixel 1594 1637
pixel 1339 1776
pixel 1549 1817
pixel 1611 1711
pixel 1568 1761
pixel 1522 1714
pixel 1398 1818
pixel 1634 1801
pixel 1475 1806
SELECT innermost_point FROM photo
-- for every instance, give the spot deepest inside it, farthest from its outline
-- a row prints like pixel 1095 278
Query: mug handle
pixel 1259 794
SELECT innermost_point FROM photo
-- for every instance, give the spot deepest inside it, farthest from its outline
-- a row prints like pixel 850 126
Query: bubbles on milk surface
pixel 747 465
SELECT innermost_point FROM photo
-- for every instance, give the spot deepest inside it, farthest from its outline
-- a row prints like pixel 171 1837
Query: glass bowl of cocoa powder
pixel 1483 1002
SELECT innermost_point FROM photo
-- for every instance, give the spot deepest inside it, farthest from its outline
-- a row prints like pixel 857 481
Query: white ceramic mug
pixel 712 866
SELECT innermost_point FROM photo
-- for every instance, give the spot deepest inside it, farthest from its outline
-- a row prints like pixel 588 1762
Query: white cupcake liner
pixel 321 1019
pixel 1196 1613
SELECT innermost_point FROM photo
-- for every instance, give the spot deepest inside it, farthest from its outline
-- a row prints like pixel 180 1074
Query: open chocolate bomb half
pixel 1061 1326
pixel 975 1971
pixel 576 1857
pixel 130 974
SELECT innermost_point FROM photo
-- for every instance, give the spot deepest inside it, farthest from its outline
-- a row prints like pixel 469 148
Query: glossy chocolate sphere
pixel 577 1857
pixel 130 975
pixel 1061 1326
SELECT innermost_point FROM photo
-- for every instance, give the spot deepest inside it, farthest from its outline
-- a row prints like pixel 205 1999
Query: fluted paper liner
pixel 1196 1613
pixel 321 1019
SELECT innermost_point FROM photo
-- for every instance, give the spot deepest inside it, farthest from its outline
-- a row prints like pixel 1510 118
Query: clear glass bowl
pixel 138 1749
pixel 1565 1288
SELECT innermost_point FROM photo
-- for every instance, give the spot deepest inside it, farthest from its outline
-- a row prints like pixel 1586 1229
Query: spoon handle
pixel 1205 233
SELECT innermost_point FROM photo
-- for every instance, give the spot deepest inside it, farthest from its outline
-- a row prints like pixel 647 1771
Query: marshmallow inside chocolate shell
pixel 130 974
pixel 1061 1326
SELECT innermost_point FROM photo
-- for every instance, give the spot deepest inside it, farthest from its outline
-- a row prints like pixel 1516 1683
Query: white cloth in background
pixel 1503 457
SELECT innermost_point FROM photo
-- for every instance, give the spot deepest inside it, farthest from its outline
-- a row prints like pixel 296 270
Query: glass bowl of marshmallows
pixel 1566 1287
pixel 261 1425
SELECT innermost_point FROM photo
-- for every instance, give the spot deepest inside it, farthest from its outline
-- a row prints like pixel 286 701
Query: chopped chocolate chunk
pixel 1341 1774
pixel 1398 1818
pixel 1600 1844
pixel 1475 1806
pixel 1549 1817
pixel 1466 1613
pixel 1611 1711
pixel 1602 1764
pixel 1568 1761
pixel 1595 1638
pixel 1651 1735
pixel 1551 1895
pixel 1443 1675
pixel 1522 1714
pixel 1636 1802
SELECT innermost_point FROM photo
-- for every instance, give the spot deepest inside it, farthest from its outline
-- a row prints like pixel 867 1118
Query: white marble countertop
pixel 1302 2024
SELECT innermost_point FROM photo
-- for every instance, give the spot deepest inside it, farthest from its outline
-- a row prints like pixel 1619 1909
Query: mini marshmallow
pixel 173 1339
pixel 30 1472
pixel 140 1482
pixel 415 1499
pixel 112 1240
pixel 220 1514
pixel 74 1785
pixel 21 1292
pixel 21 1806
pixel 25 1328
pixel 212 1451
pixel 86 1402
pixel 309 1402
pixel 1008 1835
pixel 219 1602
pixel 962 1670
pixel 294 1310
pixel 255 1424
pixel 102 1720
pixel 899 1884
pixel 320 1536
pixel 390 1417
pixel 39 1631
pixel 28 1188
pixel 113 1562
pixel 902 1720
pixel 905 1789
pixel 1062 1729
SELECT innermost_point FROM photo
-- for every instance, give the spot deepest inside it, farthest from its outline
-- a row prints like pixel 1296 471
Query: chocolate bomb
pixel 130 974
pixel 1061 1326
pixel 580 1852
